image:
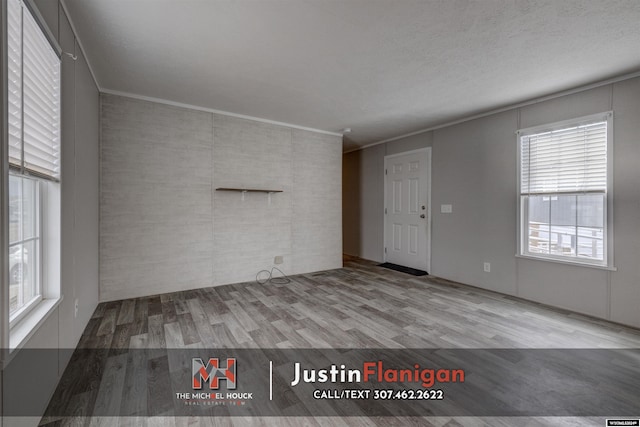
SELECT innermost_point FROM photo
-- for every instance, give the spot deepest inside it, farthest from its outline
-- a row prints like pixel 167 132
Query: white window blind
pixel 14 68
pixel 34 96
pixel 570 160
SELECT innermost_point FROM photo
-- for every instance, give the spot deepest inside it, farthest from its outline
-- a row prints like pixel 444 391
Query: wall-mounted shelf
pixel 250 190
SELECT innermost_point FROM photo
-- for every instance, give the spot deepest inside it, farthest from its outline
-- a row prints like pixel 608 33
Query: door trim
pixel 429 210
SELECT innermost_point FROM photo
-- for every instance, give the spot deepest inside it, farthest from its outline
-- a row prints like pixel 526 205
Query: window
pixel 33 140
pixel 564 181
pixel 24 245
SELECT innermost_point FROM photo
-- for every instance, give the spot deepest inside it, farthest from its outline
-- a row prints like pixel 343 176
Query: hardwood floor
pixel 358 306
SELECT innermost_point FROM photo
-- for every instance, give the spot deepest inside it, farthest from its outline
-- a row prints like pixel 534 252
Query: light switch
pixel 446 208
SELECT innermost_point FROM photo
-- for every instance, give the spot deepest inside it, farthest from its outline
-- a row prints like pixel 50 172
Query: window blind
pixel 571 160
pixel 14 84
pixel 34 96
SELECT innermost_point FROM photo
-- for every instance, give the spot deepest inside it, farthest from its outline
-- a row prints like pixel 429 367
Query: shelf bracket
pixel 244 191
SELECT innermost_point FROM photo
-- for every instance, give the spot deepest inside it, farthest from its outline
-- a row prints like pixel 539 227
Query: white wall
pixel 164 227
pixel 474 169
pixel 79 225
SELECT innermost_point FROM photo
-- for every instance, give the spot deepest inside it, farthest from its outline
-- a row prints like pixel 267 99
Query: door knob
pixel 422 216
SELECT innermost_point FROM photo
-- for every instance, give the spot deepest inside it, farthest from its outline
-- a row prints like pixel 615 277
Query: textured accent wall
pixel 164 228
pixel 317 201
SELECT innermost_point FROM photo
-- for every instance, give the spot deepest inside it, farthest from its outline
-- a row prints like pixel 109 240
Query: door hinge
pixel 385 171
pixel 385 250
pixel 385 211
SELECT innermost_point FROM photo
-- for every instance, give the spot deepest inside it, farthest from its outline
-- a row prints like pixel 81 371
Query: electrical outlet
pixel 76 307
pixel 278 260
pixel 446 208
pixel 487 267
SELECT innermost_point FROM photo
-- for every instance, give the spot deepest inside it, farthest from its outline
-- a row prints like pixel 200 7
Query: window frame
pixel 16 330
pixel 522 211
pixel 40 212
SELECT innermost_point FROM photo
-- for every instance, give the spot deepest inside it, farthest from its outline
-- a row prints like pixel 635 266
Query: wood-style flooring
pixel 358 306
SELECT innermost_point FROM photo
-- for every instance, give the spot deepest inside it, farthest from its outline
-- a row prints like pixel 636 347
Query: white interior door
pixel 407 210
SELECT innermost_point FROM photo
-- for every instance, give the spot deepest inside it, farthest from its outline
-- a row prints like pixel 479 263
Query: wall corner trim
pixel 84 52
pixel 214 111
pixel 505 108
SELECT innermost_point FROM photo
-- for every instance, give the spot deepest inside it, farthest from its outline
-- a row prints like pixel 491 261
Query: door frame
pixel 384 214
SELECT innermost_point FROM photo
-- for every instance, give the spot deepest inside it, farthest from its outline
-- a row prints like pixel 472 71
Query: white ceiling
pixel 381 67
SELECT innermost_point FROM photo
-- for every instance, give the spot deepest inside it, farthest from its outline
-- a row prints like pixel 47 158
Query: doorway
pixel 407 218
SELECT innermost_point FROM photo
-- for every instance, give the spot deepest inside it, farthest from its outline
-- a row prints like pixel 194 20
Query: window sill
pixel 571 263
pixel 29 324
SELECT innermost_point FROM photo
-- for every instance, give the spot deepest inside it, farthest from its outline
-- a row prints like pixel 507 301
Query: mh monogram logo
pixel 212 372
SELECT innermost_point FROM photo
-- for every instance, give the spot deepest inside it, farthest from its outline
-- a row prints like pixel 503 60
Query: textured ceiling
pixel 383 68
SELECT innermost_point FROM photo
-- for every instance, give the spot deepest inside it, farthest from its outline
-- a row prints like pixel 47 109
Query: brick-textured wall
pixel 163 227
